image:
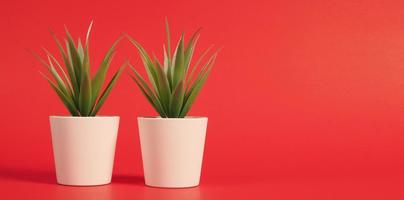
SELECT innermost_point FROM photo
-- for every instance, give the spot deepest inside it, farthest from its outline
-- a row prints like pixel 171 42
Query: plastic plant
pixel 173 85
pixel 81 94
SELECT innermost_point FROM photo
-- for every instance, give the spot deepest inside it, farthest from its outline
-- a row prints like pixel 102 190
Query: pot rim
pixel 172 119
pixel 81 117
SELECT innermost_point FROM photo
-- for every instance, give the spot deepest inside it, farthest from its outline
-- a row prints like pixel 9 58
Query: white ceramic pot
pixel 172 150
pixel 84 149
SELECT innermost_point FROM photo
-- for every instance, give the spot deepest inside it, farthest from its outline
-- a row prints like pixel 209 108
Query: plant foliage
pixel 81 94
pixel 173 86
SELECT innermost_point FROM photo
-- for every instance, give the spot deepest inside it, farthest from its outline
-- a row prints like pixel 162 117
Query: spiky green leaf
pixel 167 69
pixel 195 66
pixel 172 77
pixel 69 67
pixel 107 90
pixel 190 48
pixel 101 73
pixel 163 86
pixel 148 92
pixel 65 100
pixel 76 87
pixel 61 85
pixel 66 78
pixel 176 100
pixel 168 35
pixel 178 62
pixel 75 60
pixel 86 56
pixel 80 50
pixel 149 97
pixel 197 86
pixel 85 95
pixel 147 62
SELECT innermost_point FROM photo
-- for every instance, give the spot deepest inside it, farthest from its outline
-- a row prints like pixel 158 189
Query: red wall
pixel 300 89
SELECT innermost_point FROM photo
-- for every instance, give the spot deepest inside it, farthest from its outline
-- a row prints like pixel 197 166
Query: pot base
pixel 83 185
pixel 171 187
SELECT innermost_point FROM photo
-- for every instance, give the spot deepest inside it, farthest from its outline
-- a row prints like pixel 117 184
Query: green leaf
pixel 189 49
pixel 69 105
pixel 195 66
pixel 164 87
pixel 88 33
pixel 168 40
pixel 70 69
pixel 176 100
pixel 85 95
pixel 202 72
pixel 86 57
pixel 149 97
pixel 80 50
pixel 76 87
pixel 171 79
pixel 107 90
pixel 100 75
pixel 178 62
pixel 148 93
pixel 74 57
pixel 191 97
pixel 49 66
pixel 165 59
pixel 65 76
pixel 167 69
pixel 151 71
pixel 195 89
pixel 59 81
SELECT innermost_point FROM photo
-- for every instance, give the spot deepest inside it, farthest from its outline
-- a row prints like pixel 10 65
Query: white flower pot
pixel 172 150
pixel 84 149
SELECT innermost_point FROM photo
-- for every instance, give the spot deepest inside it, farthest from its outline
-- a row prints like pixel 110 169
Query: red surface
pixel 305 101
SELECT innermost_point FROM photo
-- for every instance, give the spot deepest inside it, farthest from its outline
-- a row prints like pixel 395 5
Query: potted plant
pixel 172 144
pixel 83 143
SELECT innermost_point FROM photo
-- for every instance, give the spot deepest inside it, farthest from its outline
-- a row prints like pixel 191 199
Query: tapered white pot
pixel 172 150
pixel 84 149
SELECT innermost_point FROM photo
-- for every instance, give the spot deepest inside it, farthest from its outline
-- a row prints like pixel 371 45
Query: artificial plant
pixel 173 83
pixel 82 94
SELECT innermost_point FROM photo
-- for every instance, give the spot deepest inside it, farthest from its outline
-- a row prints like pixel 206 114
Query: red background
pixel 305 100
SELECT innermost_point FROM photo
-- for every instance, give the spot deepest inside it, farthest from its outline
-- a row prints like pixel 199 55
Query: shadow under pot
pixel 84 149
pixel 172 150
